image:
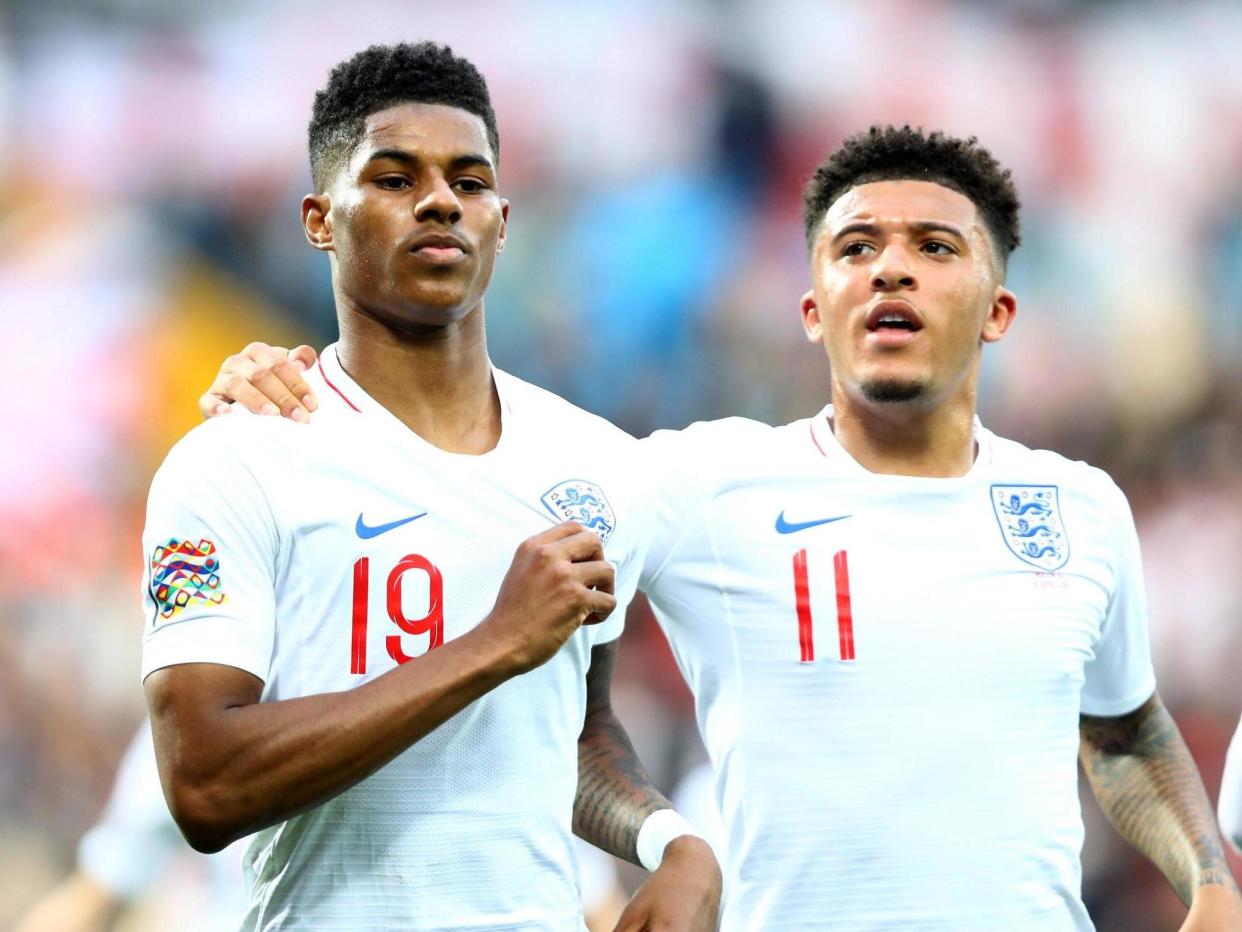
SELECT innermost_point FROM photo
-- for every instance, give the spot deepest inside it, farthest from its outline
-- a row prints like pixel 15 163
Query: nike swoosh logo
pixel 788 527
pixel 366 531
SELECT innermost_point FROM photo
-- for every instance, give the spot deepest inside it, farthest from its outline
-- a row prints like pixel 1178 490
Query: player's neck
pixel 439 386
pixel 905 439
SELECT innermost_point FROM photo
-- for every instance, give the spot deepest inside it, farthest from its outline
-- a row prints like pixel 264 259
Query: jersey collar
pixel 342 387
pixel 825 444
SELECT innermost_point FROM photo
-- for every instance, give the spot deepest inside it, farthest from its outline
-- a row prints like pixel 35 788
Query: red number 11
pixel 802 597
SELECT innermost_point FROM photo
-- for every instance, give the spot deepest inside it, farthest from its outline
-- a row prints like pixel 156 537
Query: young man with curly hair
pixel 901 629
pixel 343 651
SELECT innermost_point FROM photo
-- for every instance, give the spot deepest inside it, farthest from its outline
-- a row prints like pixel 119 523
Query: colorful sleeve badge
pixel 185 574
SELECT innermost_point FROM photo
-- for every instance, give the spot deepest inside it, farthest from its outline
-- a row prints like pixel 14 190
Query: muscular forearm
pixel 1147 784
pixel 232 767
pixel 614 794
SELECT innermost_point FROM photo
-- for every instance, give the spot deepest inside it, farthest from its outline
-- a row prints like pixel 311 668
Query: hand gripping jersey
pixel 889 671
pixel 320 556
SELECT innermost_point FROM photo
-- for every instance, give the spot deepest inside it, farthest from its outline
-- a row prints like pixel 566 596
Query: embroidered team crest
pixel 1030 521
pixel 185 574
pixel 584 502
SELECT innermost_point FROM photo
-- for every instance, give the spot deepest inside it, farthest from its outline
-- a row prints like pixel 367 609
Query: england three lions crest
pixel 584 502
pixel 1030 521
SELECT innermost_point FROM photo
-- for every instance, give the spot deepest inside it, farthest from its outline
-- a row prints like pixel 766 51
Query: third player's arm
pixel 231 764
pixel 615 795
pixel 1149 787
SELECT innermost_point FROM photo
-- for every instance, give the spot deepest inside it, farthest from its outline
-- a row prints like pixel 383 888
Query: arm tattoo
pixel 614 792
pixel 1148 786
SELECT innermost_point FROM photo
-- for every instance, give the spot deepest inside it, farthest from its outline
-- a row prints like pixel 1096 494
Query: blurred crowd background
pixel 152 157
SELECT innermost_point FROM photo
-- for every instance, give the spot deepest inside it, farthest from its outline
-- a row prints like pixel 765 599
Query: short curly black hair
pixel 383 76
pixel 886 153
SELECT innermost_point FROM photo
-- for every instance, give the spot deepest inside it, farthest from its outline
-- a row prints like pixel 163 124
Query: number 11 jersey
pixel 889 671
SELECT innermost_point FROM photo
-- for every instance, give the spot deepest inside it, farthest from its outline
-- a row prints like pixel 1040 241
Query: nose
pixel 892 269
pixel 438 202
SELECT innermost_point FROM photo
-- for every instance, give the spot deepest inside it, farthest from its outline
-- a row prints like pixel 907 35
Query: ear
pixel 504 225
pixel 810 319
pixel 317 221
pixel 1000 315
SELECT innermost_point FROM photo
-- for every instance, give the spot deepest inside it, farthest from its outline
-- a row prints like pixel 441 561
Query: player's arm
pixel 1149 787
pixel 1230 807
pixel 615 798
pixel 231 765
pixel 265 380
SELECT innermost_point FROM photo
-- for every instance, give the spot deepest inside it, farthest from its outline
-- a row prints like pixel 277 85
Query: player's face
pixel 905 290
pixel 415 219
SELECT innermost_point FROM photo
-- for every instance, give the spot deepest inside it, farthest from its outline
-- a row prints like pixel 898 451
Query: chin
pixel 438 307
pixel 893 391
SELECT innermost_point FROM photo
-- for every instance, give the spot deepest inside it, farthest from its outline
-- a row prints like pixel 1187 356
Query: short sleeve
pixel 627 548
pixel 136 835
pixel 210 547
pixel 678 491
pixel 1120 678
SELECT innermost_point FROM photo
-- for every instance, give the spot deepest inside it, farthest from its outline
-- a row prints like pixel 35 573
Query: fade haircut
pixel 384 76
pixel 886 153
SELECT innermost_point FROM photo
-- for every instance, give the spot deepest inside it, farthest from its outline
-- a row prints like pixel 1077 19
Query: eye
pixel 856 248
pixel 393 182
pixel 937 248
pixel 470 185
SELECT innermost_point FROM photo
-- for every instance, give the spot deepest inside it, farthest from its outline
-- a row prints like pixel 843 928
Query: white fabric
pixel 1230 807
pixel 654 835
pixel 597 876
pixel 695 798
pixel 127 850
pixel 930 781
pixel 469 828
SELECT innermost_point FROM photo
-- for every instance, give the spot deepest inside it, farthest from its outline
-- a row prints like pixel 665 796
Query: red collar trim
pixel 815 440
pixel 319 363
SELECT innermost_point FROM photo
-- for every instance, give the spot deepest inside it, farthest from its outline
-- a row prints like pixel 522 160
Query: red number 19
pixel 432 623
pixel 802 599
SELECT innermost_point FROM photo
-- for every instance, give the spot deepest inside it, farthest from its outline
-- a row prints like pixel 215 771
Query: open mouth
pixel 890 316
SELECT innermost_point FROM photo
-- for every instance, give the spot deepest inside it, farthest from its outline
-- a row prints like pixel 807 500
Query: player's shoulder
pixel 735 435
pixel 1048 467
pixel 236 438
pixel 559 416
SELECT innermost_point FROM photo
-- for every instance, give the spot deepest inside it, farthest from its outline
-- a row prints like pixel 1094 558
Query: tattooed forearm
pixel 614 792
pixel 1148 786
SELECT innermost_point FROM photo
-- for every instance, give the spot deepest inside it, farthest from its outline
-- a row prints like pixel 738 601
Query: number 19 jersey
pixel 319 556
pixel 889 671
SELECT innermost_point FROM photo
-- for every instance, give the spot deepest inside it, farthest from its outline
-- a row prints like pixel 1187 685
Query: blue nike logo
pixel 366 531
pixel 786 527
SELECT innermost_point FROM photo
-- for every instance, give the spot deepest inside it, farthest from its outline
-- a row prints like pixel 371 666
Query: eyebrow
pixel 470 160
pixel 918 226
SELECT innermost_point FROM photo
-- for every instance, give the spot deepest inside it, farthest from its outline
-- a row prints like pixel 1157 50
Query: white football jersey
pixel 889 671
pixel 1230 807
pixel 318 556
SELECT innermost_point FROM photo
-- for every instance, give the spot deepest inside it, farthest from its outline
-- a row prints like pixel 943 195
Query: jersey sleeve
pixel 210 548
pixel 627 548
pixel 1120 678
pixel 679 489
pixel 136 835
pixel 1230 807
